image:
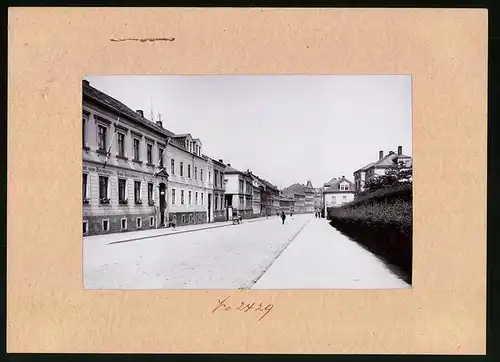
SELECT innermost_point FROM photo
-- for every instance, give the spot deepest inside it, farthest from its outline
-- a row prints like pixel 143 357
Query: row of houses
pixel 138 175
pixel 340 190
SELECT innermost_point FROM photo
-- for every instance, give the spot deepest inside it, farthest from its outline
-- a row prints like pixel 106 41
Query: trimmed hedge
pixel 382 223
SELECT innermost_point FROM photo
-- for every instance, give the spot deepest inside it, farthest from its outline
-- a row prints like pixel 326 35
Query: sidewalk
pixel 152 233
pixel 320 257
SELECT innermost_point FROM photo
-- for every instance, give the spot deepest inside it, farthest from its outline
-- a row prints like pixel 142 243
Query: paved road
pixel 231 257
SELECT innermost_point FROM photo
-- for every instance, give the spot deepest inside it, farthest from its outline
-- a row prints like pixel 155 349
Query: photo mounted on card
pixel 228 182
pixel 276 180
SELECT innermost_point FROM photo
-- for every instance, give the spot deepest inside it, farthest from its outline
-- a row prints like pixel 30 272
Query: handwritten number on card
pixel 225 306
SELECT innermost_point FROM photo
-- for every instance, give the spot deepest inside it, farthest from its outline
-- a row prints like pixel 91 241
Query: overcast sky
pixel 286 129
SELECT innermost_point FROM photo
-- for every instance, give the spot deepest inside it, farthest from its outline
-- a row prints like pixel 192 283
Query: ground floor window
pixel 105 225
pixel 124 224
pixel 190 218
pixel 183 219
pixel 152 221
pixel 139 222
pixel 85 227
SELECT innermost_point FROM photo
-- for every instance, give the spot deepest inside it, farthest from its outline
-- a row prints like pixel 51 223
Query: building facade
pixel 340 191
pixel 310 194
pixel 219 182
pixel 379 167
pixel 257 195
pixel 190 186
pixel 297 192
pixel 287 204
pixel 124 181
pixel 270 196
pixel 239 193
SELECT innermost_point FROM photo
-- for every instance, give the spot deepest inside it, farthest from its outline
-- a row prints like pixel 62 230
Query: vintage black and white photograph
pixel 247 182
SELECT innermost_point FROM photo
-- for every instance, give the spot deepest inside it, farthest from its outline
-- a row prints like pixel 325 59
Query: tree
pixel 395 175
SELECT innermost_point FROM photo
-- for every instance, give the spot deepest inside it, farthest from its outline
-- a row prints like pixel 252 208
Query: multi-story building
pixel 310 194
pixel 219 183
pixel 297 192
pixel 190 181
pixel 318 199
pixel 239 192
pixel 124 179
pixel 257 192
pixel 379 167
pixel 270 198
pixel 287 204
pixel 339 191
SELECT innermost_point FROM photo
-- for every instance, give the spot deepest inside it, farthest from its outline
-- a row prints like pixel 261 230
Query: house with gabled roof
pixel 298 193
pixel 239 192
pixel 338 191
pixel 379 167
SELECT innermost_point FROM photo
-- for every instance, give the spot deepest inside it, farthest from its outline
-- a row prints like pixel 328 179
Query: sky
pixel 284 128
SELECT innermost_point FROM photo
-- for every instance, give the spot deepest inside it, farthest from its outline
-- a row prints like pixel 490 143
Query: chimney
pixel 140 112
pixel 343 176
pixel 221 160
pixel 85 82
pixel 400 150
pixel 159 124
pixel 229 165
pixel 380 154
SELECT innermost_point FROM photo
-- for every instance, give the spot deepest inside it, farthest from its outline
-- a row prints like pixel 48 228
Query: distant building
pixel 270 196
pixel 258 187
pixel 310 194
pixel 219 182
pixel 297 192
pixel 379 167
pixel 287 204
pixel 338 192
pixel 239 192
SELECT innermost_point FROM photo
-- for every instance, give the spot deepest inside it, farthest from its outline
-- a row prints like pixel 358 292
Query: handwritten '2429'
pixel 224 305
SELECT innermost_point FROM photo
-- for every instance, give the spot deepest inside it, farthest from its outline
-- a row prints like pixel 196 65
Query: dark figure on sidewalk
pixel 283 217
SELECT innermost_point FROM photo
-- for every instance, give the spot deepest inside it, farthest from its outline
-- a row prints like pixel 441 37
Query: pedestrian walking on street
pixel 283 217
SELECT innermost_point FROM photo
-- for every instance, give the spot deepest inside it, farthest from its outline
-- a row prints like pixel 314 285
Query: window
pixel 121 144
pixel 196 198
pixel 183 219
pixel 190 218
pixel 344 198
pixel 172 166
pixel 136 149
pixel 84 187
pixel 85 227
pixel 84 128
pixel 221 180
pixel 216 199
pixel 216 175
pixel 151 221
pixel 139 222
pixel 182 197
pixel 173 196
pixel 105 225
pixel 137 192
pixel 124 224
pixel 241 186
pixel 202 198
pixel 189 171
pixel 196 173
pixel 121 190
pixel 160 156
pixel 189 197
pixel 101 137
pixel 150 153
pixel 181 169
pixel 201 175
pixel 344 187
pixel 150 192
pixel 103 189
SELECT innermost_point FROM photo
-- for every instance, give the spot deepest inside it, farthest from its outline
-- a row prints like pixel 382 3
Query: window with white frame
pixel 122 190
pixel 149 147
pixel 151 221
pixel 183 219
pixel 104 189
pixel 202 198
pixel 172 166
pixel 84 131
pixel 101 137
pixel 139 222
pixel 121 144
pixel 137 143
pixel 201 175
pixel 181 169
pixel 85 227
pixel 173 196
pixel 124 224
pixel 189 198
pixel 196 198
pixel 196 173
pixel 137 192
pixel 182 197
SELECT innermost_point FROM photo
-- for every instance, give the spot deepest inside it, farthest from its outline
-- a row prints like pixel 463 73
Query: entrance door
pixel 209 207
pixel 163 203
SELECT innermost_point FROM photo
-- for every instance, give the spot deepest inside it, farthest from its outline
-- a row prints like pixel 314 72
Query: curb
pixel 183 231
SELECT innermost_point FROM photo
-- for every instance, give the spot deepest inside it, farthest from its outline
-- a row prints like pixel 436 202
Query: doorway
pixel 163 203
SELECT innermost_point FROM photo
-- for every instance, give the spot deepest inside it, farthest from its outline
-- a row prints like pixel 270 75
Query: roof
pixel 366 167
pixel 120 108
pixel 386 161
pixel 295 188
pixel 335 186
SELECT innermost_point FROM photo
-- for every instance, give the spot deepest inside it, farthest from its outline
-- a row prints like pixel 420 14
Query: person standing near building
pixel 283 217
